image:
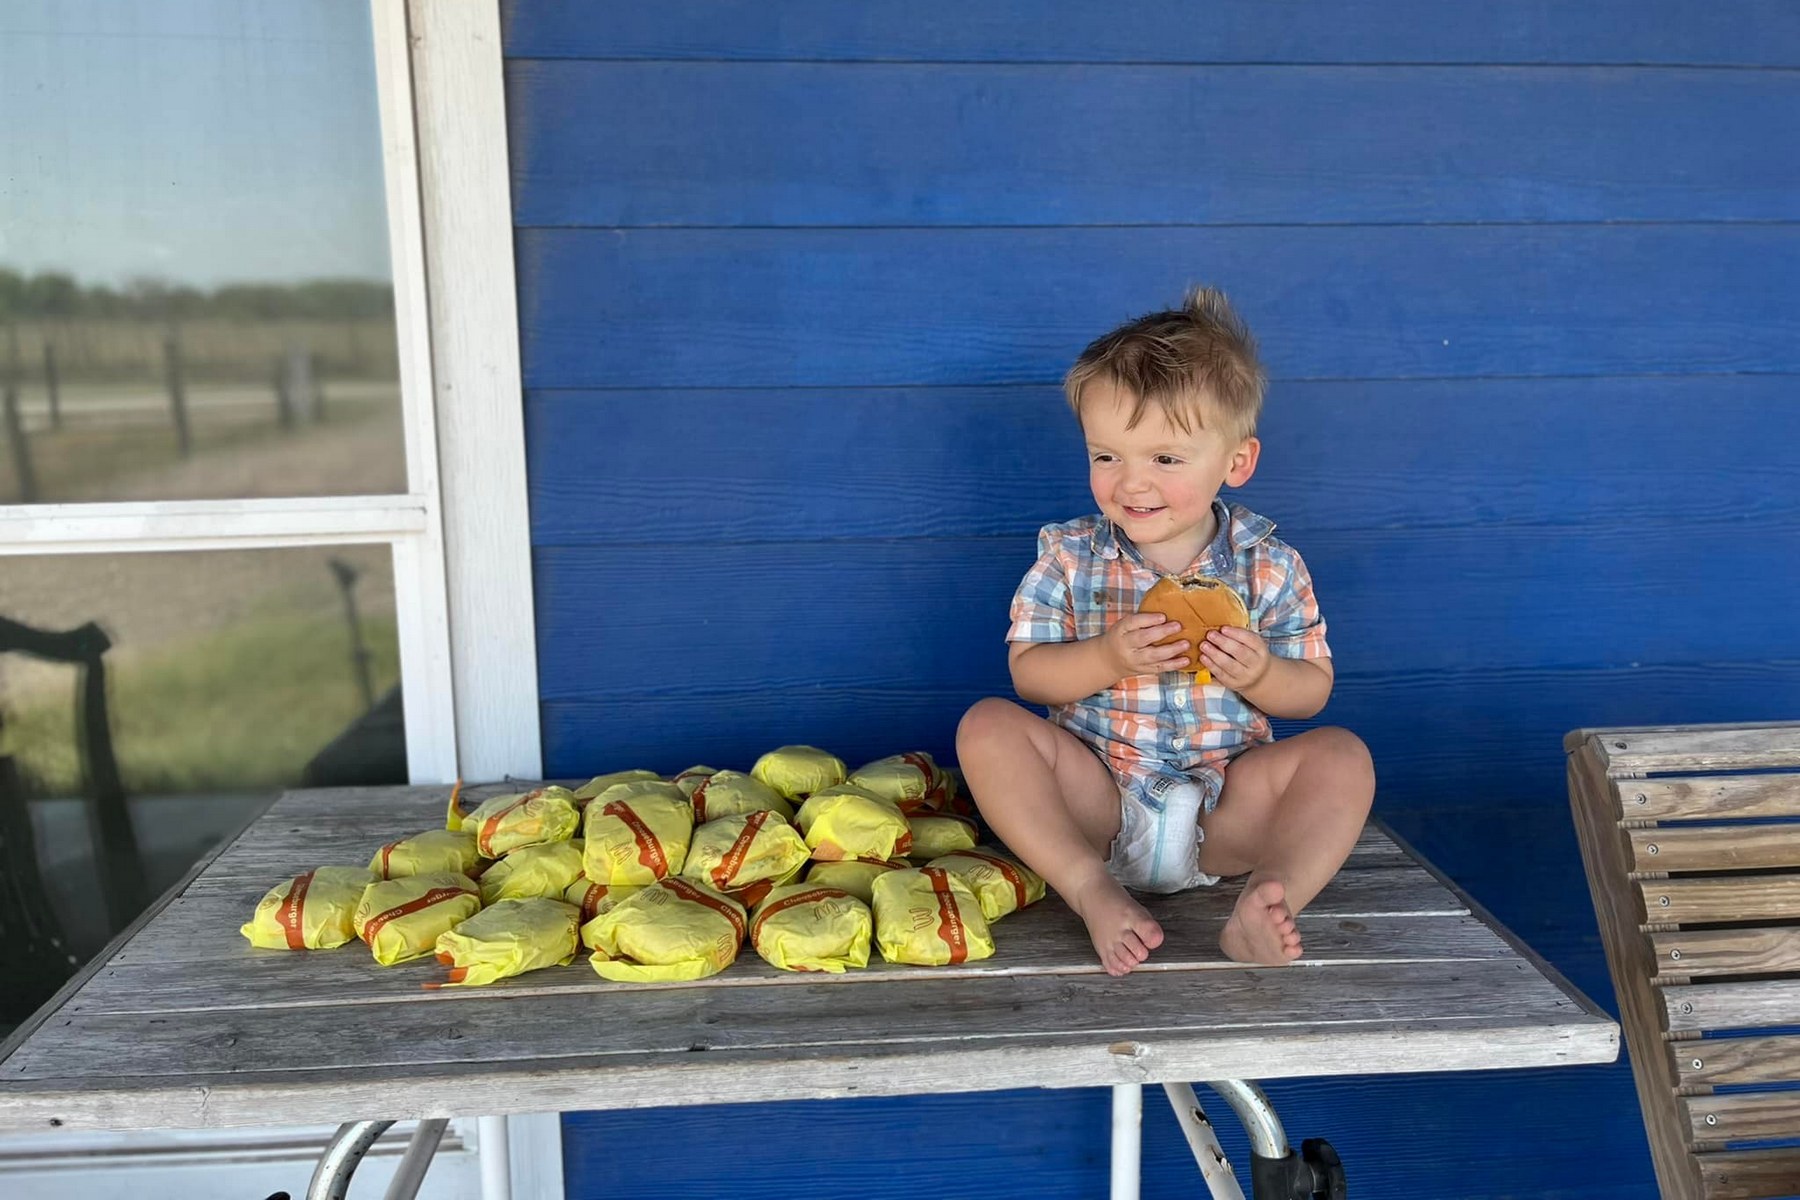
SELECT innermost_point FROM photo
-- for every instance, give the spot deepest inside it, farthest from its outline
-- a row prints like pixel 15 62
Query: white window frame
pixel 460 534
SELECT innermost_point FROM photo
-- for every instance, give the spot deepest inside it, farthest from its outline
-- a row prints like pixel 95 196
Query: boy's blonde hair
pixel 1196 364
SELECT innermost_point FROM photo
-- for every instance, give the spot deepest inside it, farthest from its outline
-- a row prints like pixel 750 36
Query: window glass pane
pixel 224 676
pixel 195 295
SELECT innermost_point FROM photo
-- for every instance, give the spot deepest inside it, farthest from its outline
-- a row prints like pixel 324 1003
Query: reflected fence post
pixel 284 403
pixel 27 485
pixel 52 383
pixel 298 397
pixel 177 389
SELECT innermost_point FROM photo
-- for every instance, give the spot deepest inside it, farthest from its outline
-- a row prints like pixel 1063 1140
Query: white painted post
pixel 496 1160
pixel 1127 1139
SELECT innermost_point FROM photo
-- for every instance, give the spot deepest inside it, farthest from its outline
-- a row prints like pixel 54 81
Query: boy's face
pixel 1156 482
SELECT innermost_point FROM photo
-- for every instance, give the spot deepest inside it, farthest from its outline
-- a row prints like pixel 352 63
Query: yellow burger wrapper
pixel 928 917
pixel 672 931
pixel 910 782
pixel 402 919
pixel 811 928
pixel 937 834
pixel 543 870
pixel 511 938
pixel 956 794
pixel 692 778
pixel 592 899
pixel 314 911
pixel 1002 884
pixel 433 850
pixel 799 771
pixel 847 822
pixel 733 793
pixel 854 875
pixel 600 783
pixel 637 833
pixel 752 894
pixel 734 852
pixel 546 814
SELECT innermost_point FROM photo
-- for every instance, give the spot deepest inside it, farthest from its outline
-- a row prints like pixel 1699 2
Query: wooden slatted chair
pixel 1692 850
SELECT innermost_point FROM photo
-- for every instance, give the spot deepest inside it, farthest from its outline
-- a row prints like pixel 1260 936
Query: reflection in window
pixel 149 702
pixel 195 299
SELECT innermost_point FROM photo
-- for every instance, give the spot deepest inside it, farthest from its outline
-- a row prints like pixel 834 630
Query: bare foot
pixel 1261 929
pixel 1124 934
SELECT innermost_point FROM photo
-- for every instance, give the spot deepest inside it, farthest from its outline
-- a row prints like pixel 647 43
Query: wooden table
pixel 182 1024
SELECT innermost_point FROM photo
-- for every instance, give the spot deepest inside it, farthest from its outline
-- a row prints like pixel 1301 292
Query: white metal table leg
pixel 416 1161
pixel 496 1159
pixel 331 1178
pixel 1127 1139
pixel 1214 1168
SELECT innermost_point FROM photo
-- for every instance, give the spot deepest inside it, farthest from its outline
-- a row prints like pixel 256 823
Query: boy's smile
pixel 1157 481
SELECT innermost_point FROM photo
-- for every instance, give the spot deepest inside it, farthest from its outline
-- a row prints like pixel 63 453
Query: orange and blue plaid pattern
pixel 1088 575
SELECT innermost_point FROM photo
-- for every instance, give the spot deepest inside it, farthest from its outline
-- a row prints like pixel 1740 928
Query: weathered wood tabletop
pixel 182 1024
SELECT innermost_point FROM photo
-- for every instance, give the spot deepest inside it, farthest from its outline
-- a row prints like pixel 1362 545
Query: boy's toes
pixel 1152 935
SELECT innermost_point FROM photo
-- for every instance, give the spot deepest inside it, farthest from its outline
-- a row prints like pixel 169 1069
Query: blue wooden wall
pixel 798 281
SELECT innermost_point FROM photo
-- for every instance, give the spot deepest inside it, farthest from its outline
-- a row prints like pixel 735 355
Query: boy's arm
pixel 1054 673
pixel 1293 688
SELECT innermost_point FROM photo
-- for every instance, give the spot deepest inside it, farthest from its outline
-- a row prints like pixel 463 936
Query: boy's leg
pixel 1288 814
pixel 1055 805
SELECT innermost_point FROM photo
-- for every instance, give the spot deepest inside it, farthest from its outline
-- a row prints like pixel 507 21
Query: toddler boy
pixel 1141 777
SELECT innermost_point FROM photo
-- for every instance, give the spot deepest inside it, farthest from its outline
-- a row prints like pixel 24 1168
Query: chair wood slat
pixel 1708 797
pixel 1732 1005
pixel 1705 953
pixel 1716 847
pixel 1741 1117
pixel 1628 752
pixel 1714 1061
pixel 1749 1174
pixel 1698 900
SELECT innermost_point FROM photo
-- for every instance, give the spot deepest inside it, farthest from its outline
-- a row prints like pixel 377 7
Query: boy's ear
pixel 1243 462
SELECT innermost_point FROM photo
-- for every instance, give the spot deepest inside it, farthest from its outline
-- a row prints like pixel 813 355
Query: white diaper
pixel 1158 847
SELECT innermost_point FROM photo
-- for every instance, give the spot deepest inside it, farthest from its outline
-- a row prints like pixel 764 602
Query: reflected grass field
pixel 242 709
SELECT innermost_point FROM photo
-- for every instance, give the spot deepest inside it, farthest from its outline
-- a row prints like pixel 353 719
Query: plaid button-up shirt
pixel 1089 575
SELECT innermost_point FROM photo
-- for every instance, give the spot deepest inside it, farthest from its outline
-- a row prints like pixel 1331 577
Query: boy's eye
pixel 1103 458
pixel 1167 460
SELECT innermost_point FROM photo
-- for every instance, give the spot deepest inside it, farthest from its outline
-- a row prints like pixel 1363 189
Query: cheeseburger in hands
pixel 1200 604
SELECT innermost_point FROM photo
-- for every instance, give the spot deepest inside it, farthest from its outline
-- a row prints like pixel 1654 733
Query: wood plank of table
pixel 198 1028
pixel 677 1046
pixel 302 830
pixel 1058 945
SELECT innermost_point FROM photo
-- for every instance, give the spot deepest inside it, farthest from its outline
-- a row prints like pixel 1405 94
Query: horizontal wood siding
pixel 1753 33
pixel 846 307
pixel 798 283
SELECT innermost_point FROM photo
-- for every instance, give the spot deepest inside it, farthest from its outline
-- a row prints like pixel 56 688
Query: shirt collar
pixel 1239 529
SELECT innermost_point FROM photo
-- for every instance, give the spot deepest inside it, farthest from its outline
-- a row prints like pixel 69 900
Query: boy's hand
pixel 1237 658
pixel 1131 650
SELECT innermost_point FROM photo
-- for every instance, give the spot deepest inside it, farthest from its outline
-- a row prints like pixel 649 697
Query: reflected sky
pixel 202 141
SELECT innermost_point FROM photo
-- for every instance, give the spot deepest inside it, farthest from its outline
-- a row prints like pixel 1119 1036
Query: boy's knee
pixel 1348 756
pixel 985 721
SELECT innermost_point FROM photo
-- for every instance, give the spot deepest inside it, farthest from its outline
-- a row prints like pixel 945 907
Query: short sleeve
pixel 1291 621
pixel 1041 609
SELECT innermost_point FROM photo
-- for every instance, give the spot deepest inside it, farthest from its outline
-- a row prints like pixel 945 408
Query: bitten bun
pixel 1201 604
